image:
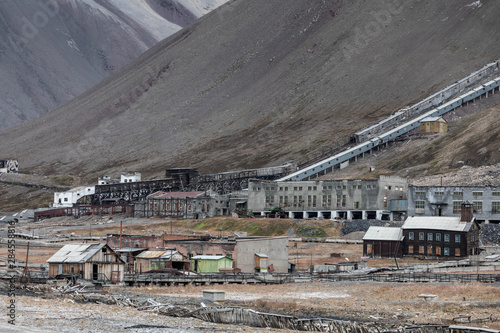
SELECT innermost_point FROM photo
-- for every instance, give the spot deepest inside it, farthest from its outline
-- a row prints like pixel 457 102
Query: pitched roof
pixel 75 253
pixel 429 119
pixel 384 233
pixel 158 254
pixel 449 223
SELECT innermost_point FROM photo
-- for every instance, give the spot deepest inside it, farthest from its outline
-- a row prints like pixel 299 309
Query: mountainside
pixel 257 83
pixel 53 50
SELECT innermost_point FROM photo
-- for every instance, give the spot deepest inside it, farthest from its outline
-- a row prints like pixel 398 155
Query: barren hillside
pixel 256 83
pixel 52 51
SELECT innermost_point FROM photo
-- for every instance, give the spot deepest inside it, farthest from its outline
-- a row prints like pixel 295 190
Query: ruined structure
pixel 382 199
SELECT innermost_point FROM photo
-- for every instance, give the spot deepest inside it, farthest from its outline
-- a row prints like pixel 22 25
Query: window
pixel 359 187
pixel 457 252
pixel 410 249
pixel 447 238
pixel 356 205
pixel 477 207
pixel 385 200
pixel 286 200
pixel 309 188
pixel 281 188
pixel 446 251
pixel 439 193
pixel 343 200
pixel 430 236
pixel 457 206
pixel 65 199
pixel 300 188
pixel 429 250
pixel 295 188
pixel 477 194
pixel 457 239
pixel 421 249
pixel 495 193
pixel 419 193
pixel 458 194
pixel 315 188
pixel 295 202
pixel 419 206
pixel 309 201
pixel 495 207
pixel 438 236
pixel 421 236
pixel 314 201
pixel 286 188
pixel 411 235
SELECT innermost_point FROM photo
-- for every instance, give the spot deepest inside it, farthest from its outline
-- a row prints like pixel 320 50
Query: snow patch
pixel 474 5
pixel 201 7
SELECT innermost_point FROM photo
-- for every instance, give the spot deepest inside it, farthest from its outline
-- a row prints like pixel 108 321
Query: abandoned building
pixel 159 260
pixel 447 201
pixel 242 250
pixel 211 263
pixel 94 262
pixel 73 196
pixel 433 125
pixel 442 236
pixel 383 242
pixel 9 166
pixel 383 199
pixel 195 204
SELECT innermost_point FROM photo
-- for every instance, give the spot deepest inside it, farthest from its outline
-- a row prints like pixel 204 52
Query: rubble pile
pixel 490 233
pixel 363 225
pixel 467 176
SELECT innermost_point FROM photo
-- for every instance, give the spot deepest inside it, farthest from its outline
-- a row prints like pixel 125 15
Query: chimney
pixel 466 212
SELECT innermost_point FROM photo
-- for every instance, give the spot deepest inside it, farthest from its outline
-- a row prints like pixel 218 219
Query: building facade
pixel 9 166
pixel 383 242
pixel 447 201
pixel 93 262
pixel 348 199
pixel 442 236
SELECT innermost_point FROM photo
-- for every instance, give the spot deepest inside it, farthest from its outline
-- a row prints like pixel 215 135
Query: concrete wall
pixel 440 200
pixel 9 166
pixel 327 196
pixel 276 248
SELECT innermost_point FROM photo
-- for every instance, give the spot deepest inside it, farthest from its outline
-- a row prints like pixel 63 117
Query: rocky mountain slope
pixel 257 83
pixel 53 50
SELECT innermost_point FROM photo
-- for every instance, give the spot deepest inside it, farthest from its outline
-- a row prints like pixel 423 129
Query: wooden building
pixel 432 125
pixel 211 264
pixel 158 260
pixel 442 236
pixel 95 262
pixel 383 242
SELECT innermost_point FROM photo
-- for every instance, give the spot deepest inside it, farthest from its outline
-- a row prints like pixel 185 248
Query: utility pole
pixel 25 274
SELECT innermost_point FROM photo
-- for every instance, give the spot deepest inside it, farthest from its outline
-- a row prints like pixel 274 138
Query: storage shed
pixel 95 262
pixel 158 260
pixel 433 125
pixel 383 242
pixel 210 264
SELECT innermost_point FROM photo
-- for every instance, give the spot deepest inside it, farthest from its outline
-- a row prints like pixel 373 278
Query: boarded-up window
pixel 457 252
pixel 410 249
pixel 429 250
pixel 369 248
pixel 421 249
pixel 438 250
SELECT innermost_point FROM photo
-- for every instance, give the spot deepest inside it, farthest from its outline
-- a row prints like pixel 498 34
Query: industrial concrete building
pixel 447 201
pixel 383 199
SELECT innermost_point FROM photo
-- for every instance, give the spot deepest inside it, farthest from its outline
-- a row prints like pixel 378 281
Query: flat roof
pixel 384 233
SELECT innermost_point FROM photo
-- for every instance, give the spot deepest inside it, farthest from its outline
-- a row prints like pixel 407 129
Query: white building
pixel 130 177
pixel 71 197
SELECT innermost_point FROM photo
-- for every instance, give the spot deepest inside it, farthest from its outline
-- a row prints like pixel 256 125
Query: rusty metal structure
pixel 188 179
pixel 86 210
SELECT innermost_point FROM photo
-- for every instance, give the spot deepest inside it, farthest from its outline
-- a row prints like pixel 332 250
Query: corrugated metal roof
pixel 206 257
pixel 75 253
pixel 130 249
pixel 450 223
pixel 384 233
pixel 262 255
pixel 428 119
pixel 177 195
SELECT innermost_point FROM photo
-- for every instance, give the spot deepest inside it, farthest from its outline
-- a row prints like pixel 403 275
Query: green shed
pixel 210 264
